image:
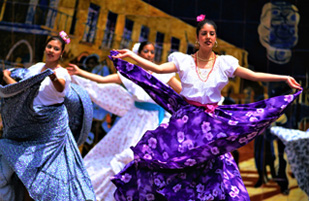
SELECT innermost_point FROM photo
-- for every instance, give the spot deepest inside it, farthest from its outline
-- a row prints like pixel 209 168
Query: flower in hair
pixel 65 37
pixel 136 47
pixel 200 17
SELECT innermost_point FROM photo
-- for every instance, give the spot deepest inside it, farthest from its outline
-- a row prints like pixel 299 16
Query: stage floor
pixel 269 191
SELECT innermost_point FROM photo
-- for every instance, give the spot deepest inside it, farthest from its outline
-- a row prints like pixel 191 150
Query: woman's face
pixel 148 52
pixel 53 50
pixel 207 36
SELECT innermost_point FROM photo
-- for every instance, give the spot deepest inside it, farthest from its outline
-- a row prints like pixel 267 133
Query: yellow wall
pixel 142 14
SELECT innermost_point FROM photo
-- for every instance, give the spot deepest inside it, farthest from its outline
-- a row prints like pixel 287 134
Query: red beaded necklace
pixel 196 67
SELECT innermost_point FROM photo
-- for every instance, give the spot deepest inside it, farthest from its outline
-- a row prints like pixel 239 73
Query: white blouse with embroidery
pixel 193 88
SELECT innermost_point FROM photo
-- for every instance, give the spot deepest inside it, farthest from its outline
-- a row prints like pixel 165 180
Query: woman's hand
pixel 123 53
pixel 73 69
pixel 6 73
pixel 293 83
pixel 7 77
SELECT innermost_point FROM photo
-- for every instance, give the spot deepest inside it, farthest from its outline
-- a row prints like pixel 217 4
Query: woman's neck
pixel 205 54
pixel 52 65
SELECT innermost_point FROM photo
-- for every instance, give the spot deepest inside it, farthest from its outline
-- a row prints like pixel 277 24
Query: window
pixel 91 25
pixel 14 11
pixel 159 47
pixel 109 31
pixel 175 42
pixel 144 34
pixel 127 33
pixel 41 12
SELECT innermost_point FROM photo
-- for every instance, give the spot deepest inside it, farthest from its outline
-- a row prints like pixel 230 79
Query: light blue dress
pixel 39 147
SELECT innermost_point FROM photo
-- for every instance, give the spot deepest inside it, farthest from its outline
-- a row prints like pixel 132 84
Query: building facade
pixel 96 26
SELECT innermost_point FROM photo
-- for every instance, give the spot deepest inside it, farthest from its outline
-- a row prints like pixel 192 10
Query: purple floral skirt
pixel 189 157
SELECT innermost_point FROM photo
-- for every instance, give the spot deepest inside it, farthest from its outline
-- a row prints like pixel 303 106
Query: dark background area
pixel 238 22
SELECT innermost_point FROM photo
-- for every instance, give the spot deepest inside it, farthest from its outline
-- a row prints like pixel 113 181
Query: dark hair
pixel 94 57
pixel 202 23
pixel 56 38
pixel 142 45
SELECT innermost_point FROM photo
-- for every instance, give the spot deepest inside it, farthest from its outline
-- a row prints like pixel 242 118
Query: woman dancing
pixel 139 114
pixel 38 147
pixel 188 158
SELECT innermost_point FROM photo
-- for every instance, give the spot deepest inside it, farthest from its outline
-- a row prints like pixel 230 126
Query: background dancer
pixel 37 144
pixel 113 152
pixel 188 158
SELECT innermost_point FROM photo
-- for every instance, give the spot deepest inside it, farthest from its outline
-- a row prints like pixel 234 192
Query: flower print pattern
pixel 147 157
pixel 249 114
pixel 185 118
pixel 228 162
pixel 235 189
pixel 232 137
pixel 152 142
pixel 148 75
pixel 214 150
pixel 150 197
pixel 253 119
pixel 177 188
pixel 225 175
pixel 215 192
pixel 146 148
pixel 209 197
pixel 221 135
pixel 209 136
pixel 260 110
pixel 206 127
pixel 190 162
pixel 165 155
pixel 130 66
pixel 180 136
pixel 181 148
pixel 191 151
pixel 243 140
pixel 288 98
pixel 232 194
pixel 157 182
pixel 200 188
pixel 126 178
pixel 164 125
pixel 250 136
pixel 233 123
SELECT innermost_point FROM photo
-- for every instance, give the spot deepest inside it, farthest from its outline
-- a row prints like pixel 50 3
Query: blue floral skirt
pixel 189 158
pixel 39 147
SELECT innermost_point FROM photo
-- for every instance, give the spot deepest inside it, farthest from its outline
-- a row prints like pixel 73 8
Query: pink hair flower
pixel 65 37
pixel 200 17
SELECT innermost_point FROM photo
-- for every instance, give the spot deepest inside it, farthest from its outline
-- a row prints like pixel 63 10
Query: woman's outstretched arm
pixel 75 70
pixel 266 77
pixel 168 67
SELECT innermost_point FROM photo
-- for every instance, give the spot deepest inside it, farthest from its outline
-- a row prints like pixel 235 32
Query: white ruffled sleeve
pixel 177 58
pixel 229 65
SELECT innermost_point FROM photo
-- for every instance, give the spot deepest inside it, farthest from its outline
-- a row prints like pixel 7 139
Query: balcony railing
pixel 24 16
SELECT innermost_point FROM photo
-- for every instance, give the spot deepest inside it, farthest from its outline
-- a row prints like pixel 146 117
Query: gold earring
pixel 216 44
pixel 197 45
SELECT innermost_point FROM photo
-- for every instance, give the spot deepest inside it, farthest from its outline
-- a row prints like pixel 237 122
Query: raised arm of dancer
pixel 266 77
pixel 168 67
pixel 75 70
